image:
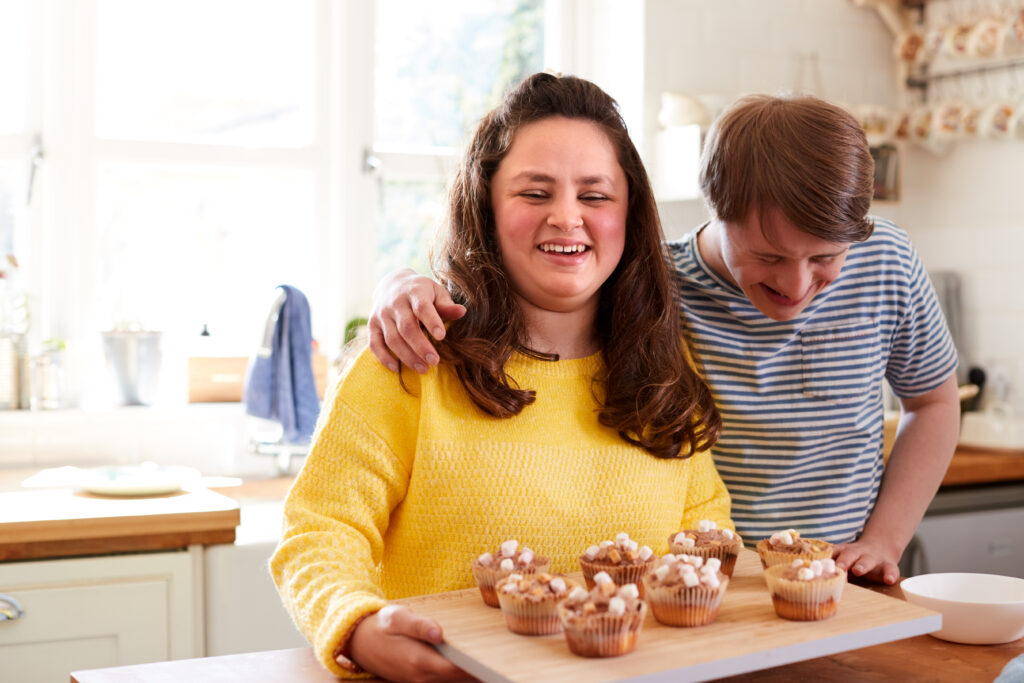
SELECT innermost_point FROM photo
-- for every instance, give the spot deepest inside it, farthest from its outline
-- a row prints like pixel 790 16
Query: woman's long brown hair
pixel 650 393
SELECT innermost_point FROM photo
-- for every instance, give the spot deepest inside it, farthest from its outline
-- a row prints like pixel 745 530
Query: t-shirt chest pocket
pixel 840 362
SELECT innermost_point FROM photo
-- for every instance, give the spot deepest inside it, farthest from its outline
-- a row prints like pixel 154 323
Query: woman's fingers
pixel 396 644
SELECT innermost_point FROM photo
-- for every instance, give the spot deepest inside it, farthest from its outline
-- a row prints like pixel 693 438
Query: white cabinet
pixel 86 613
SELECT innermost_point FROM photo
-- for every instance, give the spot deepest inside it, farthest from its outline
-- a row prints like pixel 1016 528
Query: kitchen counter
pixel 984 466
pixel 919 658
pixel 65 523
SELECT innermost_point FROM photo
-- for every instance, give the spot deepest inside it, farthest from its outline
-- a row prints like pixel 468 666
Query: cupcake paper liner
pixel 602 635
pixel 679 605
pixel 531 617
pixel 804 600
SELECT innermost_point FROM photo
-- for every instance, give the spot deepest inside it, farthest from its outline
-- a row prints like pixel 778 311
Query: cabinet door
pixel 97 612
pixel 989 542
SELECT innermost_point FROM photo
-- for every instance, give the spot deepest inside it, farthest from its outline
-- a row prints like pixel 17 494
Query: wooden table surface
pixel 922 658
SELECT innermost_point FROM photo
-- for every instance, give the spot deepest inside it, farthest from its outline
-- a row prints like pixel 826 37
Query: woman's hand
pixel 395 643
pixel 872 561
pixel 401 303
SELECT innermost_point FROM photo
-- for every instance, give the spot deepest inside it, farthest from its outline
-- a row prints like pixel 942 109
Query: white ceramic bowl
pixel 978 609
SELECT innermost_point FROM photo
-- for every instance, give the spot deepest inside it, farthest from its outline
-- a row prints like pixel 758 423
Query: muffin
pixel 489 568
pixel 529 602
pixel 685 590
pixel 604 622
pixel 785 546
pixel 621 559
pixel 805 590
pixel 708 541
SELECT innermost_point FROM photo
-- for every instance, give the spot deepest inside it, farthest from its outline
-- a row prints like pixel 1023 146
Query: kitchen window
pixel 196 154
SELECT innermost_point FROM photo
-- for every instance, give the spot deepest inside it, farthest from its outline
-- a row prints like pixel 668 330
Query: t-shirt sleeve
pixel 923 355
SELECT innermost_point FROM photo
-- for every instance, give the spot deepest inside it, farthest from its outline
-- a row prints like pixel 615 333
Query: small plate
pixel 136 480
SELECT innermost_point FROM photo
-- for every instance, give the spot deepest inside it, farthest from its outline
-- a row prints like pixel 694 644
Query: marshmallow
pixel 602 577
pixel 507 565
pixel 616 606
pixel 713 563
pixel 629 591
pixel 706 525
pixel 646 553
pixel 485 559
pixel 690 579
pixel 727 533
pixel 525 557
pixel 558 584
pixel 591 552
pixel 805 574
pixel 508 548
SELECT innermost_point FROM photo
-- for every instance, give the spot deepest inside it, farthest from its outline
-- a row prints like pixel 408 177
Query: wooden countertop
pixel 918 658
pixel 984 466
pixel 64 523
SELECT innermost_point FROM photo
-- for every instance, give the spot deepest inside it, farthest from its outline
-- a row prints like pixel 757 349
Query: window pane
pixel 9 195
pixel 230 72
pixel 12 65
pixel 180 248
pixel 410 215
pixel 442 64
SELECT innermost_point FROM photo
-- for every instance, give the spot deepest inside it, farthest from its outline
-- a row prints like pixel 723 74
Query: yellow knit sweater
pixel 401 491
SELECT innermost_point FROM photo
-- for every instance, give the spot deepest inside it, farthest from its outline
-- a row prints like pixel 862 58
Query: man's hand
pixel 395 643
pixel 870 561
pixel 402 302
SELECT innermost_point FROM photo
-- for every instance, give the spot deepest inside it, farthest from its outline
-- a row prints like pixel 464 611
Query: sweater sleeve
pixel 338 509
pixel 706 495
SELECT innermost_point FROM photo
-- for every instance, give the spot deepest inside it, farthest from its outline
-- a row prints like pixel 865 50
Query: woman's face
pixel 560 201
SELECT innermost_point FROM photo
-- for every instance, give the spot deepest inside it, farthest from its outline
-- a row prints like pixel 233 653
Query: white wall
pixel 961 208
pixel 735 47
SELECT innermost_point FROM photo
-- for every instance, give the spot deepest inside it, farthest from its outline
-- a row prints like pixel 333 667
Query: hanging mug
pixel 947 120
pixel 986 38
pixel 997 120
pixel 954 42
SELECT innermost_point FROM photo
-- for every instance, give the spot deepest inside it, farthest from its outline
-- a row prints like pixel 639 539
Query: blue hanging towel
pixel 279 386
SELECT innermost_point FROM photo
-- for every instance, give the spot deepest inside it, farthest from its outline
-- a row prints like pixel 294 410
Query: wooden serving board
pixel 746 636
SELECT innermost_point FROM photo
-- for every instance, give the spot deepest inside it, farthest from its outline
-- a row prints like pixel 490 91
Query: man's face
pixel 778 266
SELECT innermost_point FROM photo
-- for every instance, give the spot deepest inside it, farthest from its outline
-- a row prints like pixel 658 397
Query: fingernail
pixel 392 367
pixel 432 358
pixel 420 368
pixel 434 634
pixel 438 332
pixel 858 568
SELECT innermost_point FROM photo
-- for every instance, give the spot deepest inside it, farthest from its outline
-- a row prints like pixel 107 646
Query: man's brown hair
pixel 650 394
pixel 799 155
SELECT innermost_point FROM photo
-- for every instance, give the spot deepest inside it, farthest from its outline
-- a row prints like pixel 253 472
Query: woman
pixel 563 412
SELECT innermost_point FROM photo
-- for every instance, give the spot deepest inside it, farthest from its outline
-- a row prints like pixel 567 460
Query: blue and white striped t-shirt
pixel 801 400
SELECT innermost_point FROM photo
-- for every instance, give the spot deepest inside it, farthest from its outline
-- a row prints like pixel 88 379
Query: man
pixel 796 304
